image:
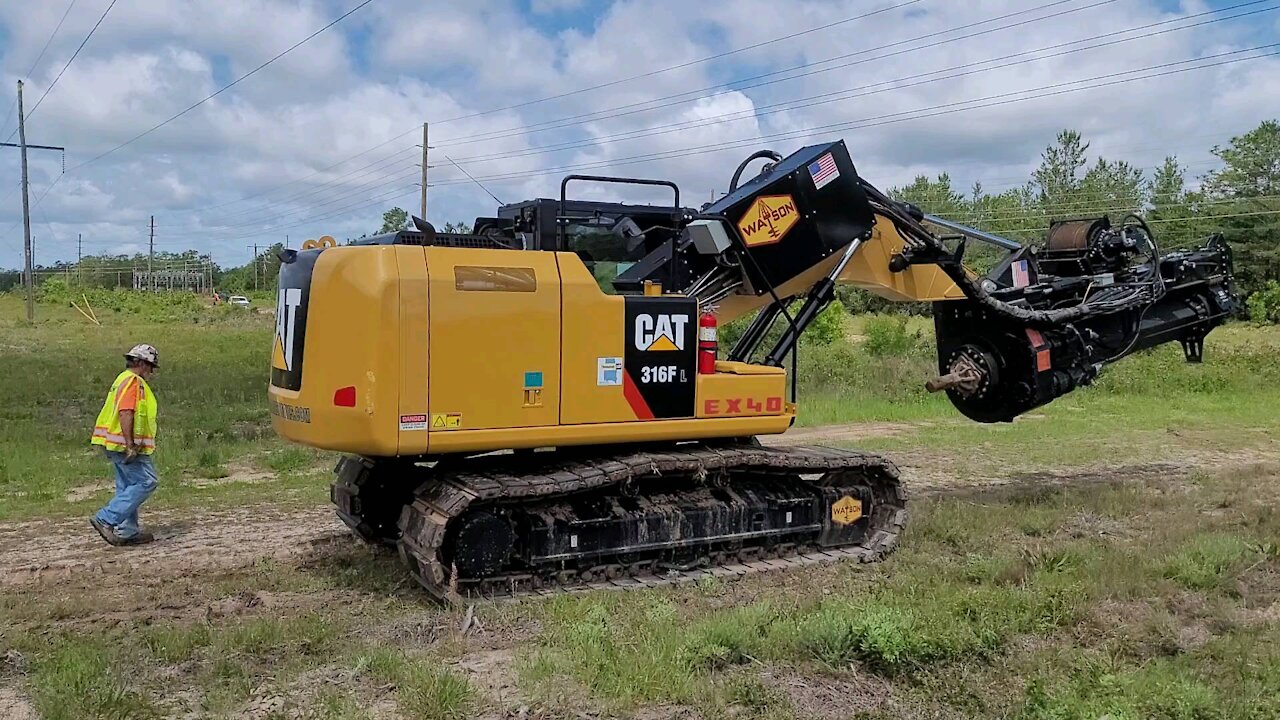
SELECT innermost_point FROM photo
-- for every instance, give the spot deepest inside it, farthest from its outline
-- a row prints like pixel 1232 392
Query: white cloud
pixel 382 71
pixel 545 7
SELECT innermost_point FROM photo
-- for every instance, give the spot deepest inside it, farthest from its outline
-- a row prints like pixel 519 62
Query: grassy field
pixel 211 388
pixel 1115 554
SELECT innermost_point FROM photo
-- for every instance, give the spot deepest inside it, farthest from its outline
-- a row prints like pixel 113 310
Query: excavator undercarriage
pixel 541 405
pixel 505 524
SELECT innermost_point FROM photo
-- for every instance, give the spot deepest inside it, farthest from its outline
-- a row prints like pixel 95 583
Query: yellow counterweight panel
pixel 593 333
pixel 414 349
pixel 495 340
pixel 759 390
pixel 352 341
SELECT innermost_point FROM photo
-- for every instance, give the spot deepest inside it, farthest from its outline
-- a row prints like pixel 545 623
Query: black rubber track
pixel 512 478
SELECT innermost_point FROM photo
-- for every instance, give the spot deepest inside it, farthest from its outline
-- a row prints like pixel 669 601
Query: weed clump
pixel 1205 561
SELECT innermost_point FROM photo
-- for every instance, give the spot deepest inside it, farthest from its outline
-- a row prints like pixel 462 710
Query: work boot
pixel 142 537
pixel 107 532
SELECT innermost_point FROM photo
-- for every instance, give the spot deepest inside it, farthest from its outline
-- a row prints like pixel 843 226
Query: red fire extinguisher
pixel 707 343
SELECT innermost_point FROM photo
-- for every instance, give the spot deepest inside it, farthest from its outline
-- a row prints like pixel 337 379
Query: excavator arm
pixel 1043 322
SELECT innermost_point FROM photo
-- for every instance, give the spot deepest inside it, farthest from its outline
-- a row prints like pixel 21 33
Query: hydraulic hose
pixel 737 175
pixel 917 235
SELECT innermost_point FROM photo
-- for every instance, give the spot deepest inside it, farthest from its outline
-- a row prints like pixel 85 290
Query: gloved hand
pixel 130 454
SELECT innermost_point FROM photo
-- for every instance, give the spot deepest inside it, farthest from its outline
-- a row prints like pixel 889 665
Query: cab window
pixel 606 253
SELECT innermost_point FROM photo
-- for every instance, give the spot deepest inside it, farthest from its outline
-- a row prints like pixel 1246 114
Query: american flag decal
pixel 1021 278
pixel 823 170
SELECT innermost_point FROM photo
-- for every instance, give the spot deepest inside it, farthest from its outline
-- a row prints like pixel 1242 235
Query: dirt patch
pixel 1092 525
pixel 493 673
pixel 15 706
pixel 235 474
pixel 825 697
pixel 84 492
pixel 53 550
pixel 1028 485
pixel 842 433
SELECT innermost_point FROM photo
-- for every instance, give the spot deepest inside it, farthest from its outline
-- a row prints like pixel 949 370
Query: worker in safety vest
pixel 126 431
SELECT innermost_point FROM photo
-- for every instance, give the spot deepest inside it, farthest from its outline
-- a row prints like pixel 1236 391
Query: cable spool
pixel 325 241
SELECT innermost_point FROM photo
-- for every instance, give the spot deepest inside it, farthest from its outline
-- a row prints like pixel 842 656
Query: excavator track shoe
pixel 369 497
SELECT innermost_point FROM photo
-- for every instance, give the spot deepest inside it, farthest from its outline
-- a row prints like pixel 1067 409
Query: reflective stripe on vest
pixel 107 431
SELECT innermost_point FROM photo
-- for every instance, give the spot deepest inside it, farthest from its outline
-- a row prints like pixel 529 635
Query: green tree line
pixel 1240 200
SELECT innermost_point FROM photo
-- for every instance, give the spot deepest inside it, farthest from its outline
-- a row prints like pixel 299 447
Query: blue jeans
pixel 135 482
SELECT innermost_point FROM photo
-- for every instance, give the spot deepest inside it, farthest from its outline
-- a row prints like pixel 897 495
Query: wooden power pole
pixel 28 250
pixel 425 147
pixel 255 266
pixel 26 214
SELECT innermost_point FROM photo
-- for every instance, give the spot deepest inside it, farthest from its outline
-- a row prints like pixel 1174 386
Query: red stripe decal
pixel 634 398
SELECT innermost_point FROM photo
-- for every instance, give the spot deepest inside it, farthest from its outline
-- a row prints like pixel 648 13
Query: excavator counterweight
pixel 522 407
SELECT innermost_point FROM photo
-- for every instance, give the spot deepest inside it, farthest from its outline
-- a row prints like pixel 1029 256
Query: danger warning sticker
pixel 413 422
pixel 768 220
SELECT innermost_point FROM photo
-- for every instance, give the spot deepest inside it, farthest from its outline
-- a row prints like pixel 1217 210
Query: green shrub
pixel 825 329
pixel 888 335
pixel 1264 305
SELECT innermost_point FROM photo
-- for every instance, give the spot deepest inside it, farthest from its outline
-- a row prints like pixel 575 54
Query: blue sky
pixel 322 141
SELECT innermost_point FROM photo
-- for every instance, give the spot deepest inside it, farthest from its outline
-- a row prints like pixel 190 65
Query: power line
pixel 891 118
pixel 693 95
pixel 222 89
pixel 415 129
pixel 477 182
pixel 394 194
pixel 71 59
pixel 273 188
pixel 841 95
pixel 49 42
pixel 690 63
pixel 175 117
pixel 268 205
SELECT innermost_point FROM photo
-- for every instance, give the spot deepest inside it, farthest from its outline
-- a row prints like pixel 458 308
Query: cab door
pixel 495 339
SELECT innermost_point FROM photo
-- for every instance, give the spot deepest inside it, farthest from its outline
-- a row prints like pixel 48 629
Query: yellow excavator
pixel 542 404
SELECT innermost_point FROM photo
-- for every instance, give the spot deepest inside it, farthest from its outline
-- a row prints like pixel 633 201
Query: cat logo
pixel 287 302
pixel 660 332
pixel 768 219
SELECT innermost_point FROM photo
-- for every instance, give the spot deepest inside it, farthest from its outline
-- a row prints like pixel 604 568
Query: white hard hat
pixel 145 353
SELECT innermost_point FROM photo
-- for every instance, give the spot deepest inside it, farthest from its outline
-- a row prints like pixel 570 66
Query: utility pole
pixel 26 214
pixel 425 147
pixel 79 252
pixel 151 256
pixel 255 266
pixel 28 249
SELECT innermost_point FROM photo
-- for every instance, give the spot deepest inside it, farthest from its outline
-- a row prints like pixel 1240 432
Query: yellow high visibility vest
pixel 107 431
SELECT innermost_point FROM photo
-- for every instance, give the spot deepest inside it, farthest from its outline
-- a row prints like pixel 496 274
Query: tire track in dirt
pixel 186 543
